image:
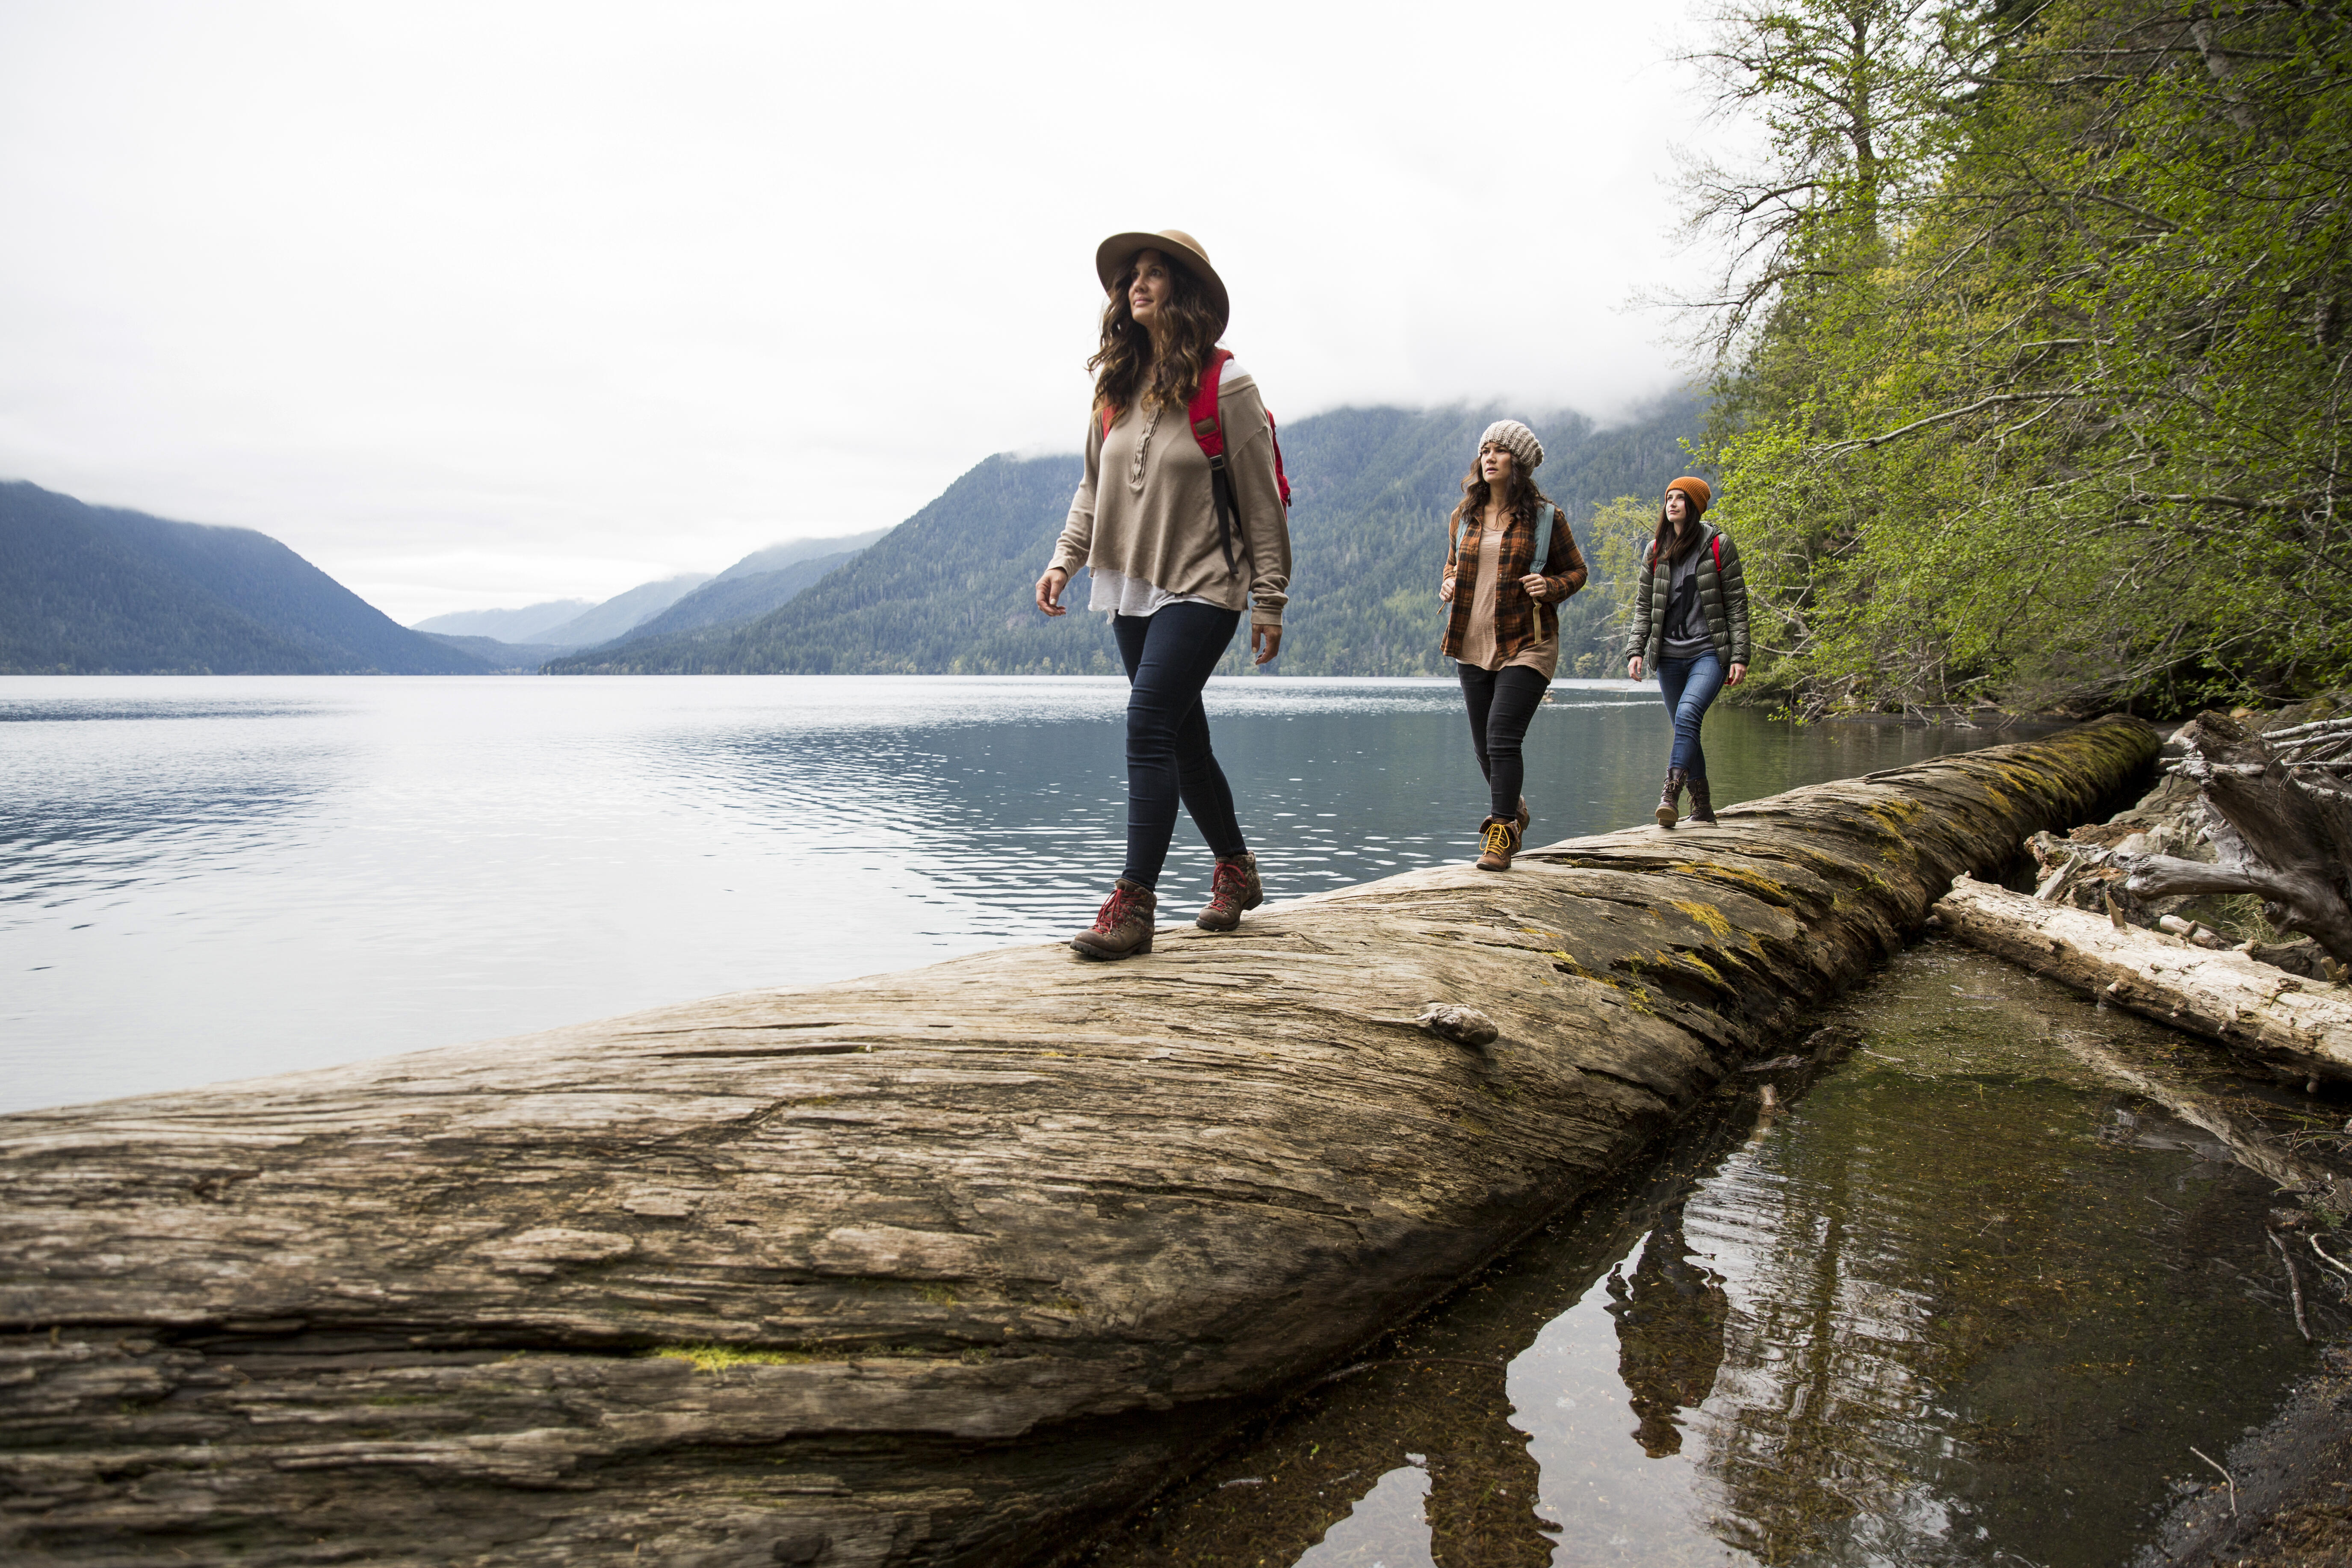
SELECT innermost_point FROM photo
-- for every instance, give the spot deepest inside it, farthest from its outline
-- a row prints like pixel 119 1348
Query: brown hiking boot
pixel 1122 926
pixel 1671 796
pixel 1499 842
pixel 1235 889
pixel 1702 803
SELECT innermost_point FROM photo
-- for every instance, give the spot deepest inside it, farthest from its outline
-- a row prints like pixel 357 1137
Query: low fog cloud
pixel 477 305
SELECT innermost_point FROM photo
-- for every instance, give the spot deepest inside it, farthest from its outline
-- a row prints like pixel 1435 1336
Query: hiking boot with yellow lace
pixel 1235 889
pixel 1122 926
pixel 1499 842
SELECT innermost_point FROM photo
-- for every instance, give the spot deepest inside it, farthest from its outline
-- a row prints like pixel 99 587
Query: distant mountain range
pixel 87 590
pixel 517 627
pixel 948 591
pixel 749 589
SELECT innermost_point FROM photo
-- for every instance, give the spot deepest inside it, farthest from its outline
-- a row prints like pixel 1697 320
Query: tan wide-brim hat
pixel 1112 256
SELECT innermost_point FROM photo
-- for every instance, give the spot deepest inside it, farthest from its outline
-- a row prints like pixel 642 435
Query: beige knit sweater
pixel 1166 535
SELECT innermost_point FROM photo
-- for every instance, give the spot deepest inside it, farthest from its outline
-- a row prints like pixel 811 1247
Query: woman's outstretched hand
pixel 1265 643
pixel 1049 591
pixel 1737 673
pixel 1633 667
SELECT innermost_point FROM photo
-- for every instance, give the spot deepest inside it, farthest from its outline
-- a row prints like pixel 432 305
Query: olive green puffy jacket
pixel 1722 599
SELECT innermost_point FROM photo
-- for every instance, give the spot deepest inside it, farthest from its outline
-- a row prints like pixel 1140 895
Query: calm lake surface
pixel 211 878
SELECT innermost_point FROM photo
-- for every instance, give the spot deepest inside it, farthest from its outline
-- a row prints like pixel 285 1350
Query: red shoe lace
pixel 1116 908
pixel 1229 883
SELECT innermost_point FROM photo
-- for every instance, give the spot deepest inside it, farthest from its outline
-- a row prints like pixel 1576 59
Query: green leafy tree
pixel 2075 435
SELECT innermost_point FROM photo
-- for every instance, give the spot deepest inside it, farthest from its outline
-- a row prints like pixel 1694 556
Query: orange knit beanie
pixel 1695 490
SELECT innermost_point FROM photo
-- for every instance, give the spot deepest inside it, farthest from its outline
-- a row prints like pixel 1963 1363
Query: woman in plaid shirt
pixel 1503 630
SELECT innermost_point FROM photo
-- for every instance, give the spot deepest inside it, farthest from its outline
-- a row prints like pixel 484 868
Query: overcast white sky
pixel 480 304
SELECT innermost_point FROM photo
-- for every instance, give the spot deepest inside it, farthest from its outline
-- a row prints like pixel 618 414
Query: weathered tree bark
pixel 2281 808
pixel 2304 1026
pixel 971 1255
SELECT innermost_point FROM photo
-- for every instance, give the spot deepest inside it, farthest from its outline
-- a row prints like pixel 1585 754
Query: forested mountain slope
pixel 90 590
pixel 624 612
pixel 726 603
pixel 949 591
pixel 945 591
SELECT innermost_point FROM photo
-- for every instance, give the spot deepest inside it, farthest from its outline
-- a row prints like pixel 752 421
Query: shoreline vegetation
pixel 896 1269
pixel 2031 364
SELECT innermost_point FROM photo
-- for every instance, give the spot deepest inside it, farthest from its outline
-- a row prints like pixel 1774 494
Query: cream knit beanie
pixel 1517 439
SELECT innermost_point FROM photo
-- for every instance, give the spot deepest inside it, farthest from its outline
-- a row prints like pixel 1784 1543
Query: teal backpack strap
pixel 1544 517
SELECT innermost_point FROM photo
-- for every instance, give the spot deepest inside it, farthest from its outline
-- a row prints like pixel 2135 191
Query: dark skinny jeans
pixel 1169 654
pixel 1501 701
pixel 1689 687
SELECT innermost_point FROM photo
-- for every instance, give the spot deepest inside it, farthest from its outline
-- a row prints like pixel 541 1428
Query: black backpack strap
pixel 1228 510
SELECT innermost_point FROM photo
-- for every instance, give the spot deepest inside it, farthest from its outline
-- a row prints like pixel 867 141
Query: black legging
pixel 1501 702
pixel 1169 654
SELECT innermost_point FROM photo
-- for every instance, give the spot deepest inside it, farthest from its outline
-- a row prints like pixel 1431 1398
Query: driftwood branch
pixel 2279 831
pixel 938 1267
pixel 2302 1025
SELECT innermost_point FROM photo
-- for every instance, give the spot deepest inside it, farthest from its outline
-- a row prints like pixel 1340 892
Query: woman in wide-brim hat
pixel 1174 564
pixel 1690 624
pixel 1503 629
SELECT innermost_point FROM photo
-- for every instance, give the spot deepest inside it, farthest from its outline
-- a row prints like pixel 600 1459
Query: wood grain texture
pixel 2303 1026
pixel 1006 1240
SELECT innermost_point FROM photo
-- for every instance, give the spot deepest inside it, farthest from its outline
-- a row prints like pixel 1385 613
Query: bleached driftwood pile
pixel 2279 806
pixel 2244 811
pixel 936 1267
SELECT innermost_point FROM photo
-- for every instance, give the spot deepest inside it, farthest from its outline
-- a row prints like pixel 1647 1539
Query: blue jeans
pixel 1169 654
pixel 1689 686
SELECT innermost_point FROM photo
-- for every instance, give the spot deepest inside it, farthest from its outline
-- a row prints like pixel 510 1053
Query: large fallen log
pixel 2305 1027
pixel 938 1266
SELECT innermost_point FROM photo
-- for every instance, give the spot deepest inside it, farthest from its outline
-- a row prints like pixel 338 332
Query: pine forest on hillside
pixel 89 590
pixel 2032 349
pixel 948 592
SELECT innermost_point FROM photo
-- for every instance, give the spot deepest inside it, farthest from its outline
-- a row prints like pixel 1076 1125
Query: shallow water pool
pixel 1960 1300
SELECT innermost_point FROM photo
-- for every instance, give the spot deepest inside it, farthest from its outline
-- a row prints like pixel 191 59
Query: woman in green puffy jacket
pixel 1690 624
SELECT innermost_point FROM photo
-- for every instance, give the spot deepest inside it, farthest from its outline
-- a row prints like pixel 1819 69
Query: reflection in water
pixel 205 879
pixel 1387 1528
pixel 1961 1301
pixel 1670 1321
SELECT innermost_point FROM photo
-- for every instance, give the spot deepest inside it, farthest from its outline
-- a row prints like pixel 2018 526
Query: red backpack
pixel 1201 413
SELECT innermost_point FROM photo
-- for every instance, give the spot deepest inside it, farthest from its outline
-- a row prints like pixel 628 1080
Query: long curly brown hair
pixel 1126 372
pixel 1520 499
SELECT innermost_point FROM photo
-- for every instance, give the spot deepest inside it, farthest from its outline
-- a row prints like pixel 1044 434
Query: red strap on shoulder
pixel 1718 542
pixel 1207 429
pixel 1110 417
pixel 1281 478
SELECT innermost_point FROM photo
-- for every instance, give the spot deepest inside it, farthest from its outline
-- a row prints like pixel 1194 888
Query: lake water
pixel 211 878
pixel 1960 1301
